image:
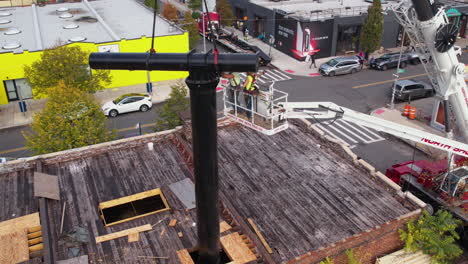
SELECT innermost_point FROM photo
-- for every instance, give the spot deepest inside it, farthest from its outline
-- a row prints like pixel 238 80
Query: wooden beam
pixel 34 241
pixel 236 249
pixel 257 231
pixel 133 237
pixel 123 233
pixel 36 247
pixel 184 257
pixel 173 222
pixel 223 227
pixel 35 235
pixel 49 254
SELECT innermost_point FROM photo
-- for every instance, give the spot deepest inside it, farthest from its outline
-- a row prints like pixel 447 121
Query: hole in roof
pixel 71 26
pixel 86 19
pixel 63 9
pixel 66 15
pixel 77 39
pixel 12 31
pixel 11 45
pixel 4 14
pixel 4 21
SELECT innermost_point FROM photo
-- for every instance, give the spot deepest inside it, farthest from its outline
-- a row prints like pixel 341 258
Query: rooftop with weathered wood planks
pixel 299 192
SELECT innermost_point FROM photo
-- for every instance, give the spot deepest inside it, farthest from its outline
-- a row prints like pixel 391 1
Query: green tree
pixel 168 115
pixel 170 12
pixel 195 4
pixel 225 12
pixel 67 64
pixel 152 3
pixel 190 24
pixel 372 29
pixel 434 235
pixel 326 261
pixel 70 119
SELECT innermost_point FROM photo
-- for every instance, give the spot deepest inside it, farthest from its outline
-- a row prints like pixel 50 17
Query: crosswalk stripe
pixel 280 73
pixel 359 134
pixel 342 133
pixel 338 123
pixel 370 131
pixel 273 76
pixel 331 133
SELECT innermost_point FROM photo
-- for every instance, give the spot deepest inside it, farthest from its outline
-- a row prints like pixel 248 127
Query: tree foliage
pixel 170 12
pixel 372 30
pixel 152 3
pixel 195 4
pixel 168 115
pixel 434 235
pixel 70 119
pixel 225 12
pixel 67 64
pixel 352 257
pixel 190 24
pixel 326 261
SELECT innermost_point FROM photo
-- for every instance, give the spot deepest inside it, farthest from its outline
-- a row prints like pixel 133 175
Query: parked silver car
pixel 342 65
pixel 409 89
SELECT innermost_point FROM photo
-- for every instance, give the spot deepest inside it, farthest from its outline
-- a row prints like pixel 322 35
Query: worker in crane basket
pixel 250 89
pixel 234 83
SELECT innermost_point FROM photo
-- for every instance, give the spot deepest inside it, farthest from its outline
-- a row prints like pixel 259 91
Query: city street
pixel 363 91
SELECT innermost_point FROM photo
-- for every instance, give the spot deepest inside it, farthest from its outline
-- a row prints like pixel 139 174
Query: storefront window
pixel 348 38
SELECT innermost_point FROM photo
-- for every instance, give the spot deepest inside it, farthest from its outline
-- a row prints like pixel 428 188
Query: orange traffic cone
pixel 412 113
pixel 407 110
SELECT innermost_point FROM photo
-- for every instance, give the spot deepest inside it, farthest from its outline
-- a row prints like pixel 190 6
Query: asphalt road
pixel 363 91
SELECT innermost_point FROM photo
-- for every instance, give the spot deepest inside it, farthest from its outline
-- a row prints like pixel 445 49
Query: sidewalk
pixel 422 122
pixel 10 115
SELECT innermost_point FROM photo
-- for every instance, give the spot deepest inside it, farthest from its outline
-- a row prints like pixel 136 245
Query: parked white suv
pixel 128 103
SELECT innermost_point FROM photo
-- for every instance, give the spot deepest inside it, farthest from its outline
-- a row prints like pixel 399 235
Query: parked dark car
pixel 409 89
pixel 389 60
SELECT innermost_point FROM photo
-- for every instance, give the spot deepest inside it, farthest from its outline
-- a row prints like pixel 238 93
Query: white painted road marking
pixel 352 134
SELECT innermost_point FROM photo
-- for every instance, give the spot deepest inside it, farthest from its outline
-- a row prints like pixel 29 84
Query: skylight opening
pixel 71 26
pixel 66 15
pixel 5 14
pixel 77 39
pixel 5 21
pixel 132 207
pixel 12 31
pixel 11 45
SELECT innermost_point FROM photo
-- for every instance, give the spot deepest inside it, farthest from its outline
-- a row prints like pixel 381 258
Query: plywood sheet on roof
pixel 185 192
pixel 19 223
pixel 236 249
pixel 46 186
pixel 14 247
pixel 184 257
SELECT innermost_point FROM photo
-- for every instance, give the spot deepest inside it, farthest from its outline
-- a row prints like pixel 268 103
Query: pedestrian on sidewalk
pixel 246 33
pixel 312 61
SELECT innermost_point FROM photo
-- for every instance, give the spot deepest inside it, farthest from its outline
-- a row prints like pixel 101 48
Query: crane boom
pixel 433 38
pixel 322 110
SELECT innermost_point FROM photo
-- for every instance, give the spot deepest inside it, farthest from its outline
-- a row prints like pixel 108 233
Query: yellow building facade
pixel 13 86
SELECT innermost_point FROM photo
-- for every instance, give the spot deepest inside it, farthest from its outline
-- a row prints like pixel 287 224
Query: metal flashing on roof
pixel 66 15
pixel 77 39
pixel 11 45
pixel 4 21
pixel 12 31
pixel 4 14
pixel 71 26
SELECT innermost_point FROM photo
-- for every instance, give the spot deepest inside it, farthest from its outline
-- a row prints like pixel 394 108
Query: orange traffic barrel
pixel 412 113
pixel 406 110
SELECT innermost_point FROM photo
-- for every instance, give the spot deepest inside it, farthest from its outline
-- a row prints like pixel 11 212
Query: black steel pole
pixel 202 85
pixel 203 78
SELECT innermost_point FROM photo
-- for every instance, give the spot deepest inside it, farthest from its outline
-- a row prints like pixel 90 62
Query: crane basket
pixel 260 111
